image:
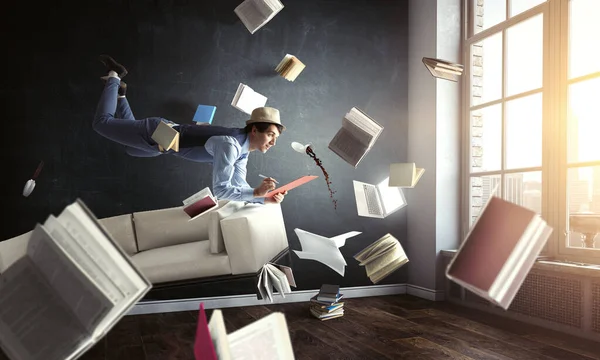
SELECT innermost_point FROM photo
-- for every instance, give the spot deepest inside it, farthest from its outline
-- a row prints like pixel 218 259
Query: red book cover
pixel 203 346
pixel 490 243
pixel 199 206
pixel 294 184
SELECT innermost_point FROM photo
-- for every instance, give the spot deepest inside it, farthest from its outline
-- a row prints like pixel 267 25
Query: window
pixel 532 115
pixel 580 85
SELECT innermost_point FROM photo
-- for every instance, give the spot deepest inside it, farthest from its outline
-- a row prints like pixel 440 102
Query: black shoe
pixel 112 65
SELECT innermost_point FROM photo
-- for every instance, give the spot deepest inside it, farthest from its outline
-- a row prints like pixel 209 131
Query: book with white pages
pixel 255 14
pixel 356 137
pixel 246 99
pixel 165 136
pixel 290 67
pixel 382 257
pixel 218 334
pixel 323 249
pixel 79 281
pixel 275 276
pixel 405 175
pixel 443 69
pixel 378 201
pixel 266 338
pixel 499 251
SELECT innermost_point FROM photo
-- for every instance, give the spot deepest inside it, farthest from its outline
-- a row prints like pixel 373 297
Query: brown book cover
pixel 490 243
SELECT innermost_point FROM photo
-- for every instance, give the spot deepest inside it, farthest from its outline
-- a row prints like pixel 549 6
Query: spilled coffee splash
pixel 312 154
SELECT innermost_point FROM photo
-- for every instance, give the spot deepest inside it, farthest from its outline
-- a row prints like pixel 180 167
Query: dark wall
pixel 183 53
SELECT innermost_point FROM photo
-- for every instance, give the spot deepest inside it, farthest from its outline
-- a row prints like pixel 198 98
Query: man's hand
pixel 267 185
pixel 276 199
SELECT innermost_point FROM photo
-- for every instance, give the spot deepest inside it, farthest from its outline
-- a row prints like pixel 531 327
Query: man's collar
pixel 246 145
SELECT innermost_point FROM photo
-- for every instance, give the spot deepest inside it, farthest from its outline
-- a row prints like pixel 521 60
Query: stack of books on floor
pixel 326 304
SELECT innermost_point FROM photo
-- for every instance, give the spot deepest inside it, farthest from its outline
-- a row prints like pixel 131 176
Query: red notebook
pixel 294 184
pixel 199 207
pixel 203 346
pixel 199 203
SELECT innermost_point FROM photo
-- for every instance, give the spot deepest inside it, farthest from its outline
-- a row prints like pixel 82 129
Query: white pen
pixel 264 177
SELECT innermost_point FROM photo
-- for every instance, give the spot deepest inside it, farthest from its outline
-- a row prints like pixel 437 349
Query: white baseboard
pixel 163 306
pixel 424 293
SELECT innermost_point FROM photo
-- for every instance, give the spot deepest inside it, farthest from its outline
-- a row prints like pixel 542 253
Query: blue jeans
pixel 115 121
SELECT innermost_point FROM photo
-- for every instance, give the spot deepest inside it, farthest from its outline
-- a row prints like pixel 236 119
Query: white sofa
pixel 235 239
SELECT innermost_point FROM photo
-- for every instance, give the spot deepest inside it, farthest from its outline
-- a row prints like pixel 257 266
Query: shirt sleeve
pixel 239 178
pixel 225 155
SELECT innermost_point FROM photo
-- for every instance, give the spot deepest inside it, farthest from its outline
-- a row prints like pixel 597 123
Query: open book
pixel 405 175
pixel 200 203
pixel 356 136
pixel 382 258
pixel 166 136
pixel 323 249
pixel 70 288
pixel 443 69
pixel 290 67
pixel 246 99
pixel 499 251
pixel 266 338
pixel 256 13
pixel 275 276
pixel 204 114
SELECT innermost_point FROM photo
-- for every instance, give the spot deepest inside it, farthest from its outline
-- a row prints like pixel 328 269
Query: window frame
pixel 554 120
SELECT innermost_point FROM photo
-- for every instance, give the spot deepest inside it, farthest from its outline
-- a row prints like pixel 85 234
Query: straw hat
pixel 266 115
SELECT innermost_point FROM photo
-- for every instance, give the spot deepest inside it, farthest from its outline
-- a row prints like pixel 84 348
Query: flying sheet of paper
pixel 340 240
pixel 324 250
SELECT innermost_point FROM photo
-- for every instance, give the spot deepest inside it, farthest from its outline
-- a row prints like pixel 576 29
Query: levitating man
pixel 226 148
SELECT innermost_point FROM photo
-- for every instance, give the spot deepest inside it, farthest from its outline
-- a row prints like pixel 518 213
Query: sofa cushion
pixel 215 235
pixel 157 228
pixel 121 229
pixel 181 262
pixel 13 249
pixel 253 236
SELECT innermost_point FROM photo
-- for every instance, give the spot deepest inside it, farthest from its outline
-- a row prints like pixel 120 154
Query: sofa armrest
pixel 253 236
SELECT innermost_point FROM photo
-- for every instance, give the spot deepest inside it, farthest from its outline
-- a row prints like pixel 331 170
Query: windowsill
pixel 544 263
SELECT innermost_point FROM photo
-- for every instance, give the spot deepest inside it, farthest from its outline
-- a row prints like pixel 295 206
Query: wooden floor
pixel 386 327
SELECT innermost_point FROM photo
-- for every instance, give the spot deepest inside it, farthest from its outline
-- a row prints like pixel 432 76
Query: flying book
pixel 266 338
pixel 382 258
pixel 443 69
pixel 405 175
pixel 275 276
pixel 290 67
pixel 499 251
pixel 356 136
pixel 203 345
pixel 204 114
pixel 294 184
pixel 254 14
pixel 324 250
pixel 200 203
pixel 246 99
pixel 166 136
pixel 71 287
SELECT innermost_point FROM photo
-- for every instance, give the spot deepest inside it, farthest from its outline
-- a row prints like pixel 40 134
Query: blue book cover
pixel 205 114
